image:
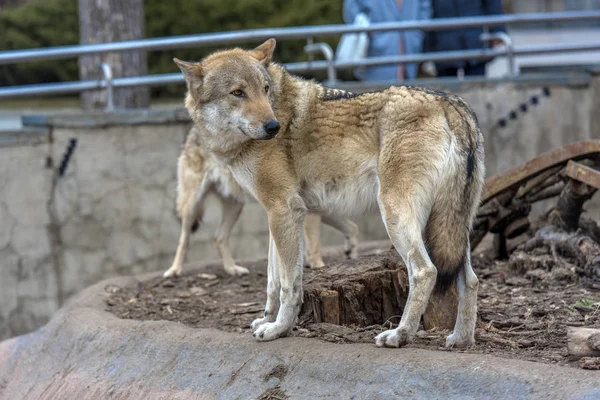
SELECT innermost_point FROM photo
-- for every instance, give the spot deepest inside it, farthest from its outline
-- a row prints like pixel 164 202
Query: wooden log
pixel 583 342
pixel 570 205
pixel 551 191
pixel 539 182
pixel 368 291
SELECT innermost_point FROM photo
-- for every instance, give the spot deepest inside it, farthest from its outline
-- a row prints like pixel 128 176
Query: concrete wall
pixel 112 212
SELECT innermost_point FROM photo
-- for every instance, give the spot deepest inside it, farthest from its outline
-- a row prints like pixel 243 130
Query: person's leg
pixel 475 70
pixel 448 71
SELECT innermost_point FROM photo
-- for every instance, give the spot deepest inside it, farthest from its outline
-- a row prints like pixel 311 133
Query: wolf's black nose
pixel 272 127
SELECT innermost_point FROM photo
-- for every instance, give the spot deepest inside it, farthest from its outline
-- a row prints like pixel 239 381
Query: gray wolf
pixel 200 174
pixel 299 147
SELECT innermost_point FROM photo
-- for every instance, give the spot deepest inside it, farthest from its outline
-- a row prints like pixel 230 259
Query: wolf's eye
pixel 267 89
pixel 238 93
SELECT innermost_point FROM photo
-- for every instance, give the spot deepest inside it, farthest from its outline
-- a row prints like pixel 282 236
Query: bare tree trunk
pixel 102 21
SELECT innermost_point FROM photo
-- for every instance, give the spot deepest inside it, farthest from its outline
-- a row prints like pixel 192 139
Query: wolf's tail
pixel 447 231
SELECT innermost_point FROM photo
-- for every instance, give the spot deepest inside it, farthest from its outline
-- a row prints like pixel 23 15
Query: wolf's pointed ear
pixel 192 72
pixel 264 52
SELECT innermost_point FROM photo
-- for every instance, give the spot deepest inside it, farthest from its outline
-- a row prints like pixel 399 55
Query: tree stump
pixel 368 291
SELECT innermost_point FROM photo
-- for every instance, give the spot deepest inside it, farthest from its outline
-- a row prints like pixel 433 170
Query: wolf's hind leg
pixel 406 197
pixel 405 232
pixel 463 334
pixel 312 233
pixel 350 231
pixel 231 210
pixel 190 208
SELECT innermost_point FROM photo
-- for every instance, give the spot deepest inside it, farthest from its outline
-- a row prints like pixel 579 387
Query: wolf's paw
pixel 172 272
pixel 351 252
pixel 392 338
pixel 236 270
pixel 459 342
pixel 258 322
pixel 270 331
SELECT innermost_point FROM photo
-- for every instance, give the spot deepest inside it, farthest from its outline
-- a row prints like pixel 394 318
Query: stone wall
pixel 112 211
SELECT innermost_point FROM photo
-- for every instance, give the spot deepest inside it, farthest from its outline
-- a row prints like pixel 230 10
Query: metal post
pixel 108 79
pixel 507 41
pixel 328 54
pixel 309 42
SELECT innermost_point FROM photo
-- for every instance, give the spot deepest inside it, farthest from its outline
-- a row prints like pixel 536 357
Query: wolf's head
pixel 229 95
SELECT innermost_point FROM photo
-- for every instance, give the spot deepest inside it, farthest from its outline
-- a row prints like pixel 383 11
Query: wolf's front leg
pixel 273 288
pixel 286 231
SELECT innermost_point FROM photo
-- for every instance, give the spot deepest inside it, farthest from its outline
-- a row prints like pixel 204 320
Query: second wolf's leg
pixel 231 210
pixel 286 229
pixel 467 282
pixel 312 232
pixel 350 231
pixel 273 288
pixel 192 193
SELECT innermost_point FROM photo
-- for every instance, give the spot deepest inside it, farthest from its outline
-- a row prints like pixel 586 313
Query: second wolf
pixel 299 147
pixel 199 174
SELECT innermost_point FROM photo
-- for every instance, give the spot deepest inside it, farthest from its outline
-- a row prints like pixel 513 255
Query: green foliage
pixel 43 23
pixel 39 23
pixel 586 303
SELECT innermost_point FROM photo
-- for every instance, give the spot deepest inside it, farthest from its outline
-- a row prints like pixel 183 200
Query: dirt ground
pixel 521 315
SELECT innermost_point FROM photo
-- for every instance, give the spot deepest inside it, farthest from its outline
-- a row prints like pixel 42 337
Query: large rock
pixel 85 352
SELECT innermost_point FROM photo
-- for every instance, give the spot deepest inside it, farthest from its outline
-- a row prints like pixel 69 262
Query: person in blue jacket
pixel 390 43
pixel 461 39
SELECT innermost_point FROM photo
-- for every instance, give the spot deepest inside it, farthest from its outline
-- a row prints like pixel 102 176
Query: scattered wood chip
pixel 428 335
pixel 211 283
pixel 500 341
pixel 509 323
pixel 324 327
pixel 197 291
pixel 168 284
pixel 594 341
pixel 169 310
pixel 537 273
pixel 517 281
pixel 132 300
pixel 111 289
pixel 183 293
pixel 246 304
pixel 248 310
pixel 590 363
pixel 208 277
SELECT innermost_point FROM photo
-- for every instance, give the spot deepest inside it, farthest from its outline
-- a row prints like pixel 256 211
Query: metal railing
pixel 308 33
